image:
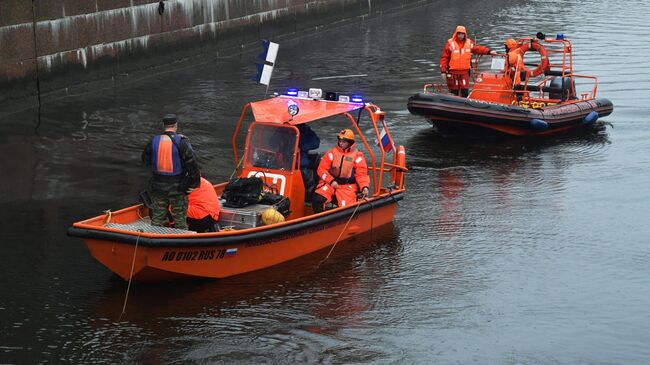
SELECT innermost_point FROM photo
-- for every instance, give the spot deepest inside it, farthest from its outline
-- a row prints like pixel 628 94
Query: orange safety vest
pixel 461 56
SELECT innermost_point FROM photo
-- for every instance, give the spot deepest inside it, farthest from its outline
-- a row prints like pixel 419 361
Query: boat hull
pixel 448 111
pixel 145 258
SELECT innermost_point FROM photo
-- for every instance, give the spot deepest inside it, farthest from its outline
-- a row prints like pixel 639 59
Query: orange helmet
pixel 346 134
pixel 511 43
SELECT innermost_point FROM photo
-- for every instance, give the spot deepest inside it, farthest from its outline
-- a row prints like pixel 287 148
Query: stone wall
pixel 49 46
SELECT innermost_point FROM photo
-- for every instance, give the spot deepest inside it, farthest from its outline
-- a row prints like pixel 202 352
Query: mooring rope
pixel 343 230
pixel 128 287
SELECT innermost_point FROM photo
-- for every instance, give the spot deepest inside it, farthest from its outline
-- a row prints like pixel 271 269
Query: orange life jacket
pixel 344 167
pixel 515 59
pixel 516 62
pixel 461 56
pixel 342 163
pixel 166 158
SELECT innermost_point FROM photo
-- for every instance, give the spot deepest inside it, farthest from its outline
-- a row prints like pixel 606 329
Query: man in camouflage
pixel 175 173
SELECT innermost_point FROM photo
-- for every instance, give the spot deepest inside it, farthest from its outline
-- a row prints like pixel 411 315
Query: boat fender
pixel 590 118
pixel 400 160
pixel 539 124
pixel 271 216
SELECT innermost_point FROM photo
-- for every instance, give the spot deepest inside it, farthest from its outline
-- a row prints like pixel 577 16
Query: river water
pixel 504 251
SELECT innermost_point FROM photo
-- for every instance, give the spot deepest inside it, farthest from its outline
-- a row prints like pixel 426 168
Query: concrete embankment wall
pixel 49 47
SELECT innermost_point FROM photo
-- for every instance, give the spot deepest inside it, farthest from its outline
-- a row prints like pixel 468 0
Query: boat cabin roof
pixel 276 110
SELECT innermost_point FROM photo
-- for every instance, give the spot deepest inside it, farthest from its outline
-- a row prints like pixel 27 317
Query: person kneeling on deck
pixel 203 208
pixel 174 173
pixel 342 171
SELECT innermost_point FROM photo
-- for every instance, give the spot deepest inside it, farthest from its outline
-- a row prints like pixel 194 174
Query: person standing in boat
pixel 515 61
pixel 175 173
pixel 308 141
pixel 203 208
pixel 456 61
pixel 343 172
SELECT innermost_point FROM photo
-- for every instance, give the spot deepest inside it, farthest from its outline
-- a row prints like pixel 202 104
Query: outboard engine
pixel 562 88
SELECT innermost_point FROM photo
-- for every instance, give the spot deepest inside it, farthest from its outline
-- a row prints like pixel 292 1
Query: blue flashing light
pixel 559 36
pixel 356 99
pixel 292 92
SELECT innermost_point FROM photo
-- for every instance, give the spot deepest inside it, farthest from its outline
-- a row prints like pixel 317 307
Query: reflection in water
pixel 319 298
pixel 483 181
pixel 450 185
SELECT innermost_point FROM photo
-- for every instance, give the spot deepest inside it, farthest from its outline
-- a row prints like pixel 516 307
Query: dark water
pixel 503 252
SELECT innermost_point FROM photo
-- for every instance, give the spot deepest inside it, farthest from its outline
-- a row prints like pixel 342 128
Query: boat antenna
pixel 237 167
pixel 359 115
pixel 128 287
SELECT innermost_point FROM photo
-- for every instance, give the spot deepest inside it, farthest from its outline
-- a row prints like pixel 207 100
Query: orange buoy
pixel 544 64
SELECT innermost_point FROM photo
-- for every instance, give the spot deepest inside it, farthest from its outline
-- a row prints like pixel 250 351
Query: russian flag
pixel 230 252
pixel 386 142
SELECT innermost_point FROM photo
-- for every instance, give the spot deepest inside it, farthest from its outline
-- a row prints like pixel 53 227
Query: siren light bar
pixel 292 92
pixel 314 93
pixel 357 98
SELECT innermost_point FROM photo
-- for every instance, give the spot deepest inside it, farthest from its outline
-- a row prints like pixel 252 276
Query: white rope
pixel 128 287
pixel 343 230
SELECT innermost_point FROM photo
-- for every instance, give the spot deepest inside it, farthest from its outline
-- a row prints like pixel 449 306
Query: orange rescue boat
pixel 517 101
pixel 128 245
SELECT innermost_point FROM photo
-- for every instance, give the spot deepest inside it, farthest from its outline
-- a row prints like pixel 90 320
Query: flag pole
pixel 267 85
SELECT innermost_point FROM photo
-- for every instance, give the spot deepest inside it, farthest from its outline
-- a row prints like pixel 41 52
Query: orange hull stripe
pixel 165 163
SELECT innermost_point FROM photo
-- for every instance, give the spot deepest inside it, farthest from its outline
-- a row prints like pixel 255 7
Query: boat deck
pixel 143 225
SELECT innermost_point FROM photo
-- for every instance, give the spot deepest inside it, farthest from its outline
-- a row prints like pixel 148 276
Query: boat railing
pixel 434 87
pixel 567 93
pixel 389 168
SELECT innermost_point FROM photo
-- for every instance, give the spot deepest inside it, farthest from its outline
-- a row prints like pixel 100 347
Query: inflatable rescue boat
pixel 516 100
pixel 127 244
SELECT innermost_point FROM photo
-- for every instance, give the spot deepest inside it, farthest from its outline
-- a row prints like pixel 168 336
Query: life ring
pixel 543 65
pixel 400 162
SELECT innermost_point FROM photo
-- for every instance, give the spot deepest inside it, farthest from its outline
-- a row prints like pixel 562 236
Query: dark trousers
pixel 205 224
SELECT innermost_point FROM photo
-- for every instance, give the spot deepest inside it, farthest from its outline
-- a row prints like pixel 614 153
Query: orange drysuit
pixel 350 171
pixel 456 61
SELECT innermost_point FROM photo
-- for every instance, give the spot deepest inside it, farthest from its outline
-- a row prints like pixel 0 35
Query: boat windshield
pixel 272 147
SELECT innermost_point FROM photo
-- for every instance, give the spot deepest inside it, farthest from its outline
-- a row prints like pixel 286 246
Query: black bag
pixel 242 192
pixel 281 203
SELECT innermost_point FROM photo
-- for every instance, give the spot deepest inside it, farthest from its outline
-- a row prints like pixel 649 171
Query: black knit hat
pixel 170 119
